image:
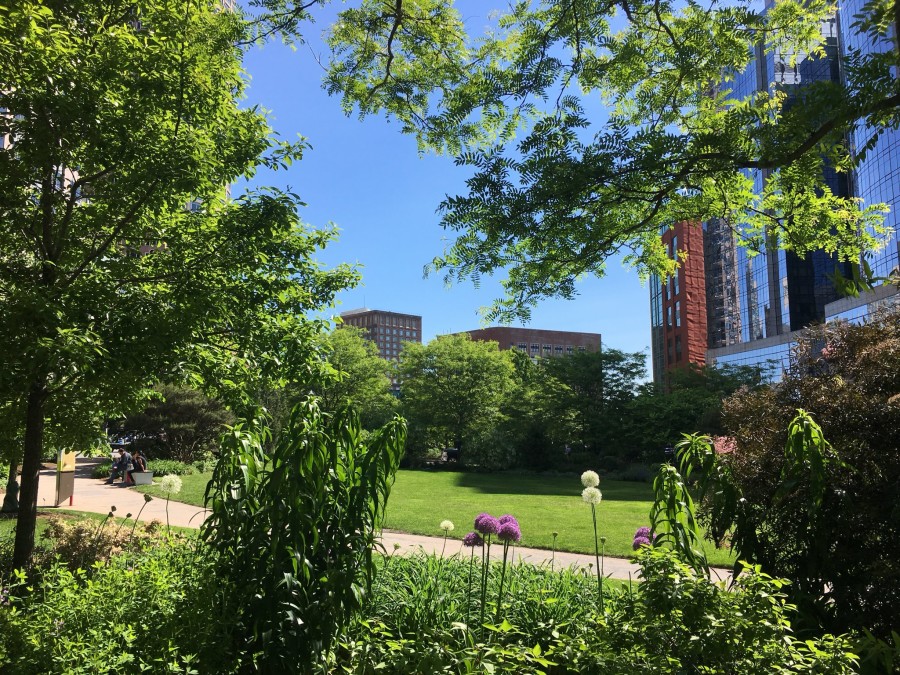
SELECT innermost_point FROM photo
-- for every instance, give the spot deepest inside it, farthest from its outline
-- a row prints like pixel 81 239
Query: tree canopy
pixel 123 260
pixel 453 390
pixel 675 140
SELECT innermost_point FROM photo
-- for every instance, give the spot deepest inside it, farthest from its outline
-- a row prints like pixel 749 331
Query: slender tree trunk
pixel 11 498
pixel 31 466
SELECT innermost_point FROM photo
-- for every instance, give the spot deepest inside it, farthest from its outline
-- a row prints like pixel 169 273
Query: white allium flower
pixel 590 479
pixel 591 495
pixel 170 484
pixel 446 526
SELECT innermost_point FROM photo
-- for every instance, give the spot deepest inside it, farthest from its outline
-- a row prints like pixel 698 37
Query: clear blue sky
pixel 368 179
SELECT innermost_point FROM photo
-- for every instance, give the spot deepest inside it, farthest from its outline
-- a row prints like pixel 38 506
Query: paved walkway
pixel 96 496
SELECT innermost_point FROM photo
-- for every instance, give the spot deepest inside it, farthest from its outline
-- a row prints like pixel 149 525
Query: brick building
pixel 388 330
pixel 537 342
pixel 678 315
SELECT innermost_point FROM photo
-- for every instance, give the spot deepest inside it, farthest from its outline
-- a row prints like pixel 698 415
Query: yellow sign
pixel 66 462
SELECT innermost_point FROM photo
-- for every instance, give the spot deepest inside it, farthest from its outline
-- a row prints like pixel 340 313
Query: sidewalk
pixel 96 496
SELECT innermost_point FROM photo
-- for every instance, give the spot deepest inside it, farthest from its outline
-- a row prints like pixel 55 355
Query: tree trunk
pixel 11 498
pixel 31 466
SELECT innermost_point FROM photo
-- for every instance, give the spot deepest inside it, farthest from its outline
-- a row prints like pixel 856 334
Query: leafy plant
pixel 294 529
pixel 673 521
pixel 811 495
pixel 169 467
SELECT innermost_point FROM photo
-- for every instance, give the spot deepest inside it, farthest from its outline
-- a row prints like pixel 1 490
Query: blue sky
pixel 369 179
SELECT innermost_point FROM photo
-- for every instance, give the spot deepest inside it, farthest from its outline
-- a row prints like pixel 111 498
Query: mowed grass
pixel 420 500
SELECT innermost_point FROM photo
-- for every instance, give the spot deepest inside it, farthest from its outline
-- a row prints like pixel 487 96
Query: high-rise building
pixel 678 309
pixel 537 342
pixel 756 301
pixel 388 330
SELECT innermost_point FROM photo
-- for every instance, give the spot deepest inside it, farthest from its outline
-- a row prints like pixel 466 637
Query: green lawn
pixel 420 500
pixel 193 487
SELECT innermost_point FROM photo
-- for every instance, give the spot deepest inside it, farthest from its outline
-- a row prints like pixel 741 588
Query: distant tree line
pixel 497 409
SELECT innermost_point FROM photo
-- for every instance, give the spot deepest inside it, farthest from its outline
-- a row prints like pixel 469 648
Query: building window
pixel 669 353
pixel 570 349
pixel 523 347
pixel 677 313
pixel 535 348
pixel 678 348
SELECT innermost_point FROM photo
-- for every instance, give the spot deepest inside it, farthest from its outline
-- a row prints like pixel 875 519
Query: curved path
pixel 96 496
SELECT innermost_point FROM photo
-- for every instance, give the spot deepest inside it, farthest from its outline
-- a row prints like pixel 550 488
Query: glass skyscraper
pixel 757 300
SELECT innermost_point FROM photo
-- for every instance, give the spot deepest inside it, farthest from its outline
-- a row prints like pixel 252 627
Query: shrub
pixel 294 528
pixel 102 470
pixel 169 467
pixel 824 514
pixel 81 543
pixel 674 621
pixel 135 613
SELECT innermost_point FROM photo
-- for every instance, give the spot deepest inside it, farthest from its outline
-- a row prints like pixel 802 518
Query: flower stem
pixel 597 556
pixel 502 577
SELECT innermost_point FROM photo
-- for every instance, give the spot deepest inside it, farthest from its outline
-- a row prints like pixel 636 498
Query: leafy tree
pixel 180 424
pixel 675 143
pixel 594 389
pixel 691 403
pixel 361 378
pixel 453 390
pixel 119 115
pixel 818 504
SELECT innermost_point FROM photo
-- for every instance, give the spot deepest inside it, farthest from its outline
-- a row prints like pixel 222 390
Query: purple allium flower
pixel 509 531
pixel 642 532
pixel 640 541
pixel 508 519
pixel 487 524
pixel 473 539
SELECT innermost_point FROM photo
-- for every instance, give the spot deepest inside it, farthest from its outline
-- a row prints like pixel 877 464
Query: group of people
pixel 126 465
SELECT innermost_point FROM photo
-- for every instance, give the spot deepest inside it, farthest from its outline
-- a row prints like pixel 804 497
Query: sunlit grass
pixel 543 504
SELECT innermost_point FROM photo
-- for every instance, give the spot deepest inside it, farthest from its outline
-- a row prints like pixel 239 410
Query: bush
pixel 169 467
pixel 829 520
pixel 421 619
pixel 294 527
pixel 137 612
pixel 102 470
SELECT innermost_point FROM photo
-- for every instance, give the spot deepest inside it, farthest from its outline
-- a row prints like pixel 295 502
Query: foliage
pixel 674 621
pixel 454 389
pixel 169 467
pixel 294 530
pixel 120 116
pixel 593 390
pixel 149 611
pixel 180 423
pixel 823 514
pixel 672 518
pixel 677 141
pixel 690 402
pixel 361 377
pixel 81 543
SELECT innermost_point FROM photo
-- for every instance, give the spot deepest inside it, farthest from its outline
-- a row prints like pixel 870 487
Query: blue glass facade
pixel 773 361
pixel 877 177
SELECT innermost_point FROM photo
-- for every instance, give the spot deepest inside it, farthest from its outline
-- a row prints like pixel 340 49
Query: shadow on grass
pixel 560 486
